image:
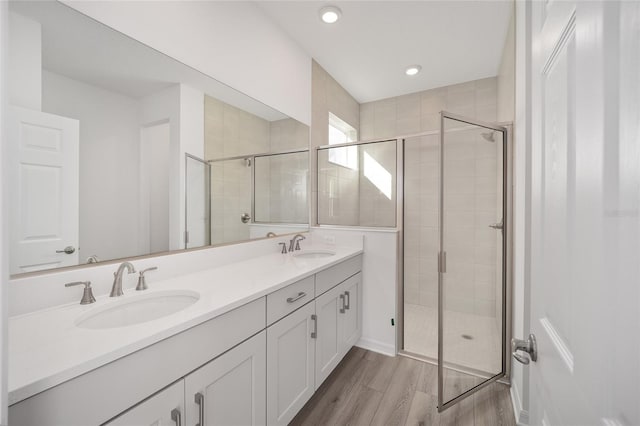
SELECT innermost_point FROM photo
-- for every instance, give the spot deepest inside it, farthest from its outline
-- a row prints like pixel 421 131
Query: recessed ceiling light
pixel 412 69
pixel 330 14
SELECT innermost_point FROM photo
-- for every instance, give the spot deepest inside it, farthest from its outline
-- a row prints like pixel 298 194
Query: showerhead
pixel 489 136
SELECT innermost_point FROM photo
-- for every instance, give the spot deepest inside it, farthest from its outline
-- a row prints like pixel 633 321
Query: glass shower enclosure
pixel 455 247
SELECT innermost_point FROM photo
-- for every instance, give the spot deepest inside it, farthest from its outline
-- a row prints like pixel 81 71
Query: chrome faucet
pixel 294 244
pixel 116 290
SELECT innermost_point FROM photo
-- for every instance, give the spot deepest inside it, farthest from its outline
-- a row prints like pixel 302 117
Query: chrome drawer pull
pixel 296 298
pixel 176 417
pixel 199 398
pixel 347 305
pixel 314 333
pixel 342 303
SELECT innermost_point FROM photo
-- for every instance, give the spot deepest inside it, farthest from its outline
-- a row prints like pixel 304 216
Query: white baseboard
pixel 377 346
pixel 522 416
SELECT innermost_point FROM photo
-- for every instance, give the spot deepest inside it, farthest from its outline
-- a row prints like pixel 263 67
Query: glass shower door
pixel 197 202
pixel 471 261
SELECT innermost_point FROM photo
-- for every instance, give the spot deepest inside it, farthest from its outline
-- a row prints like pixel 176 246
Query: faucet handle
pixel 87 295
pixel 298 242
pixel 284 248
pixel 153 268
pixel 142 281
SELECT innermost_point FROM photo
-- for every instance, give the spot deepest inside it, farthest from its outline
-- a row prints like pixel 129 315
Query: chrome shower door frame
pixel 442 405
pixel 207 167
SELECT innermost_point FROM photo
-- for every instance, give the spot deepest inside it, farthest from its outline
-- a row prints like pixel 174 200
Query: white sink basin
pixel 314 254
pixel 137 309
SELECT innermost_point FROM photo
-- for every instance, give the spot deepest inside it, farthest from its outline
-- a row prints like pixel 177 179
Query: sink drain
pixel 467 336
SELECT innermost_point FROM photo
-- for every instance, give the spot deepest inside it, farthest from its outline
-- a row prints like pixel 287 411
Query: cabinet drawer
pixel 288 299
pixel 327 279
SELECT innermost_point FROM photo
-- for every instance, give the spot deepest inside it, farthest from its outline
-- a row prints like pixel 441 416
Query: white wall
pixel 155 147
pixel 25 62
pixel 379 278
pixel 233 42
pixel 109 158
pixel 183 107
pixel 4 254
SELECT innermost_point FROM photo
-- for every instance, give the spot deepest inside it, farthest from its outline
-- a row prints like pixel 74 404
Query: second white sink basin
pixel 314 254
pixel 137 309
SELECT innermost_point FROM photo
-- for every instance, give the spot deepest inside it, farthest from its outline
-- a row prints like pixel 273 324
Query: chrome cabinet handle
pixel 342 302
pixel 296 298
pixel 314 333
pixel 529 346
pixel 176 416
pixel 67 250
pixel 347 296
pixel 245 217
pixel 200 401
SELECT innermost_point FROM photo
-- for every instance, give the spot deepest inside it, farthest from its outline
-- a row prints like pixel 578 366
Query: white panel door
pixel 166 408
pixel 231 389
pixel 585 210
pixel 352 318
pixel 43 190
pixel 290 365
pixel 329 312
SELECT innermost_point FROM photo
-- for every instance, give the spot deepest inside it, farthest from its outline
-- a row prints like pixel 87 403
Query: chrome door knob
pixel 529 346
pixel 245 217
pixel 67 250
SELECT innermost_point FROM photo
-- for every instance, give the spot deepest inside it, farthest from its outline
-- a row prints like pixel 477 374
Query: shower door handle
pixel 499 225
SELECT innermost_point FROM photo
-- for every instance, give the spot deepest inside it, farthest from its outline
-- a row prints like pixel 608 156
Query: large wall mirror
pixel 117 150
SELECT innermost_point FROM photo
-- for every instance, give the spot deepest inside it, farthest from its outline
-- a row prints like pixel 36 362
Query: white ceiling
pixel 367 50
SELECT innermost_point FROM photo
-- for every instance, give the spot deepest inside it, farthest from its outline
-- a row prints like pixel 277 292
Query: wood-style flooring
pixel 368 388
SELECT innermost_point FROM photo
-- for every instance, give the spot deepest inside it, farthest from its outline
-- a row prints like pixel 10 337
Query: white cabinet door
pixel 352 318
pixel 290 365
pixel 329 309
pixel 166 408
pixel 231 389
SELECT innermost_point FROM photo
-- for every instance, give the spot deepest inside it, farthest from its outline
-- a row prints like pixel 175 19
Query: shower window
pixel 341 132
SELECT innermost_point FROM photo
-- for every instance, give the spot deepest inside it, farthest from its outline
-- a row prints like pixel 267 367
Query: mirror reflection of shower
pixel 248 196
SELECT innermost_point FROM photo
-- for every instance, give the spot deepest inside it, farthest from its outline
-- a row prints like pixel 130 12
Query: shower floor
pixel 470 341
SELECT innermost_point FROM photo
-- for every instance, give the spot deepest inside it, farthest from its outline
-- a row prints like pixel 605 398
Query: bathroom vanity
pixel 262 336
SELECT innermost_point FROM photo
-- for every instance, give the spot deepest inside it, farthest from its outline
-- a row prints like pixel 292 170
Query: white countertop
pixel 46 348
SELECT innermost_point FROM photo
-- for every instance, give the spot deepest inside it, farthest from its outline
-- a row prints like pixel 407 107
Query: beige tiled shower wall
pixel 420 112
pixel 231 132
pixel 376 207
pixel 328 96
pixel 281 188
pixel 472 281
